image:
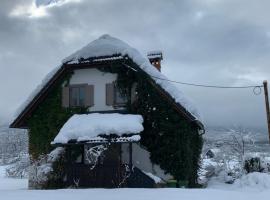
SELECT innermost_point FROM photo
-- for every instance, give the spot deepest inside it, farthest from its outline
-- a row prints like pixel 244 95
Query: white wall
pixel 99 80
pixel 141 160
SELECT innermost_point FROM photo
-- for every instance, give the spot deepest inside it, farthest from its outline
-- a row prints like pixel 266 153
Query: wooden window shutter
pixel 109 94
pixel 89 95
pixel 65 97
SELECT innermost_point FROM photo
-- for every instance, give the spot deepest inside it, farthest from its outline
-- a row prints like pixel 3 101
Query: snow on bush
pixel 257 162
pixel 41 169
pixel 266 164
pixel 20 168
pixel 229 168
pixel 13 143
pixel 93 153
pixel 209 168
pixel 224 166
pixel 232 157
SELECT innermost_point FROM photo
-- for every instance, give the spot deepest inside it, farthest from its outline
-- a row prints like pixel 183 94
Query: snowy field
pixel 12 189
pixel 249 187
pixel 10 184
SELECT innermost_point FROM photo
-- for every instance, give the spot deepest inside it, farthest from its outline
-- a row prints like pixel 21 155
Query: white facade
pixel 99 79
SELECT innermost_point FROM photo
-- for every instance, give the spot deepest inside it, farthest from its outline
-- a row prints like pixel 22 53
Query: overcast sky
pixel 220 42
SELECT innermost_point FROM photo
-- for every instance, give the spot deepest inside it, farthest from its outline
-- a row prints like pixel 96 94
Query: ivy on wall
pixel 47 120
pixel 173 142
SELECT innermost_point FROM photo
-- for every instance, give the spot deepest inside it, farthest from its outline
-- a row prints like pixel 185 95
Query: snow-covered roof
pixel 35 92
pixel 110 46
pixel 89 127
pixel 102 49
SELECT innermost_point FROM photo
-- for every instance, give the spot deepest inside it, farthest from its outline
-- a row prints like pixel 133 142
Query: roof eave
pixel 18 123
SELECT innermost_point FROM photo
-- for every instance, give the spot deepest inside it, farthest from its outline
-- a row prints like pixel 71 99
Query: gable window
pixel 78 96
pixel 119 99
pixel 113 96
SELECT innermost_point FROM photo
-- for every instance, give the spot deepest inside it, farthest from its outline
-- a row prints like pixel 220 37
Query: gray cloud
pixel 223 42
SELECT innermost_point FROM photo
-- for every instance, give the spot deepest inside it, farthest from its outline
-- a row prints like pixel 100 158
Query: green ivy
pixel 47 120
pixel 173 142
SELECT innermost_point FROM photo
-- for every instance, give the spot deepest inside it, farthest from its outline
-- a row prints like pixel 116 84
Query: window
pixel 77 96
pixel 119 99
pixel 113 96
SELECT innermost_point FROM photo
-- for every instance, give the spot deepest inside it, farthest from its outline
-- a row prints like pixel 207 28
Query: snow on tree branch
pixel 93 153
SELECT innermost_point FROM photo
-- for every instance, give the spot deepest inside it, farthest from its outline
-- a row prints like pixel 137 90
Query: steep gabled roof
pixel 107 48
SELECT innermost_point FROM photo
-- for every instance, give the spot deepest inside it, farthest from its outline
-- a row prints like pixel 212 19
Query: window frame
pixel 115 103
pixel 79 86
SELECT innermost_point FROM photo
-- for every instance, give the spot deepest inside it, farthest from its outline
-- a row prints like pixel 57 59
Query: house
pixel 107 117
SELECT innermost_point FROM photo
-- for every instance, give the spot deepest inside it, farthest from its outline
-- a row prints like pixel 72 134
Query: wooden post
pixel 130 157
pixel 82 151
pixel 267 106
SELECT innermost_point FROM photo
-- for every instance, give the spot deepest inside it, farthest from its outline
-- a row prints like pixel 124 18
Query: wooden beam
pixel 120 152
pixel 267 106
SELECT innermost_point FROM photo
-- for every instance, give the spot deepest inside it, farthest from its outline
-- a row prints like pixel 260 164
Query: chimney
pixel 155 58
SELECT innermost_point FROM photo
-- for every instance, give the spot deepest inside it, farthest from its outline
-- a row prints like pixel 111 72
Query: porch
pixel 108 171
pixel 94 151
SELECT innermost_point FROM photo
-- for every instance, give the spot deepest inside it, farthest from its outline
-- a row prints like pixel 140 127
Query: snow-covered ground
pixel 249 187
pixel 10 184
pixel 12 189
